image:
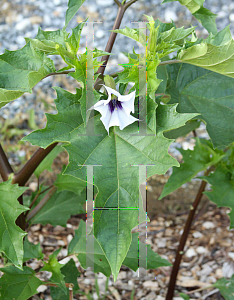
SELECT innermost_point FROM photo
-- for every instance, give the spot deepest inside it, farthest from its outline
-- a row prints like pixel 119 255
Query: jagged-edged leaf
pixel 11 235
pixel 59 208
pixel 70 272
pixel 221 38
pixel 207 19
pixel 169 119
pixel 132 33
pixel 205 92
pixel 78 246
pixel 73 6
pixel 47 161
pixel 175 35
pixel 154 260
pixel 21 70
pixel 117 174
pixel 203 15
pixel 32 251
pixel 69 183
pixel 183 130
pixel 222 194
pixel 18 284
pixel 226 287
pixel 54 267
pixel 195 161
pixel 217 58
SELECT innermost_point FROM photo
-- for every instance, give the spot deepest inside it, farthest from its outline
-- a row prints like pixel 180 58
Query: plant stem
pixel 25 173
pixel 183 239
pixel 39 206
pixel 169 62
pixel 5 167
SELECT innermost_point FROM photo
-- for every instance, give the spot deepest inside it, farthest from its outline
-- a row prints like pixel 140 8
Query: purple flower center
pixel 114 104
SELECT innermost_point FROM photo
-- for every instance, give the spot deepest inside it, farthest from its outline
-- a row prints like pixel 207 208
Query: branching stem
pixel 5 167
pixel 25 173
pixel 183 239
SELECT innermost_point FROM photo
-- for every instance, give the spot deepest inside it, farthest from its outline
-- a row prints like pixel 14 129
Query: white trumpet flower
pixel 116 112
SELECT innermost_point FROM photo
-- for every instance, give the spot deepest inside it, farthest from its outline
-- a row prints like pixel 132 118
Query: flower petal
pixel 106 120
pixel 124 119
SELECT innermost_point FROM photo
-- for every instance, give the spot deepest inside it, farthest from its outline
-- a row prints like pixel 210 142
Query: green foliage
pixel 202 14
pixel 32 251
pixel 18 284
pixel 226 287
pixel 59 208
pixel 210 94
pixel 73 6
pixel 222 184
pixel 116 179
pixel 47 161
pixel 70 272
pixel 78 246
pixel 199 159
pixel 11 236
pixel 54 267
pixel 21 70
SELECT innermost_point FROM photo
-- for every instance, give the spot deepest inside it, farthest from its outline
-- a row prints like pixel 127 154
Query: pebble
pixel 170 15
pixel 23 24
pixel 201 250
pixel 149 284
pixel 190 253
pixel 104 2
pixel 208 225
pixel 231 17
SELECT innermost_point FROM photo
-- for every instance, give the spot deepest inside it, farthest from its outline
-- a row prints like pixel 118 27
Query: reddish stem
pixel 180 250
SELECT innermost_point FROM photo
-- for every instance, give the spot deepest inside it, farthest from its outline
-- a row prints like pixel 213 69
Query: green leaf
pixel 131 33
pixel 17 284
pixel 154 261
pixel 207 19
pixel 78 246
pixel 203 15
pixel 70 272
pixel 184 296
pixel 21 70
pixel 222 194
pixel 199 159
pixel 59 209
pixel 208 93
pixel 54 267
pixel 182 131
pixel 169 119
pixel 11 235
pixel 47 161
pixel 32 251
pixel 73 6
pixel 116 179
pixel 217 58
pixel 226 287
pixel 69 183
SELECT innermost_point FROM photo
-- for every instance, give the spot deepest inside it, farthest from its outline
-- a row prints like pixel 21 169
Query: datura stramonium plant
pixel 116 111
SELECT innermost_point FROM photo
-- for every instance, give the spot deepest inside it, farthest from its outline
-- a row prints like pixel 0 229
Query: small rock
pixel 190 253
pixel 208 225
pixel 153 285
pixel 20 40
pixel 33 186
pixel 23 24
pixel 69 238
pixel 231 17
pixel 104 2
pixel 197 235
pixel 221 14
pixel 36 20
pixel 231 254
pixel 42 288
pixel 100 33
pixel 162 243
pixel 151 295
pixel 170 15
pixel 201 250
